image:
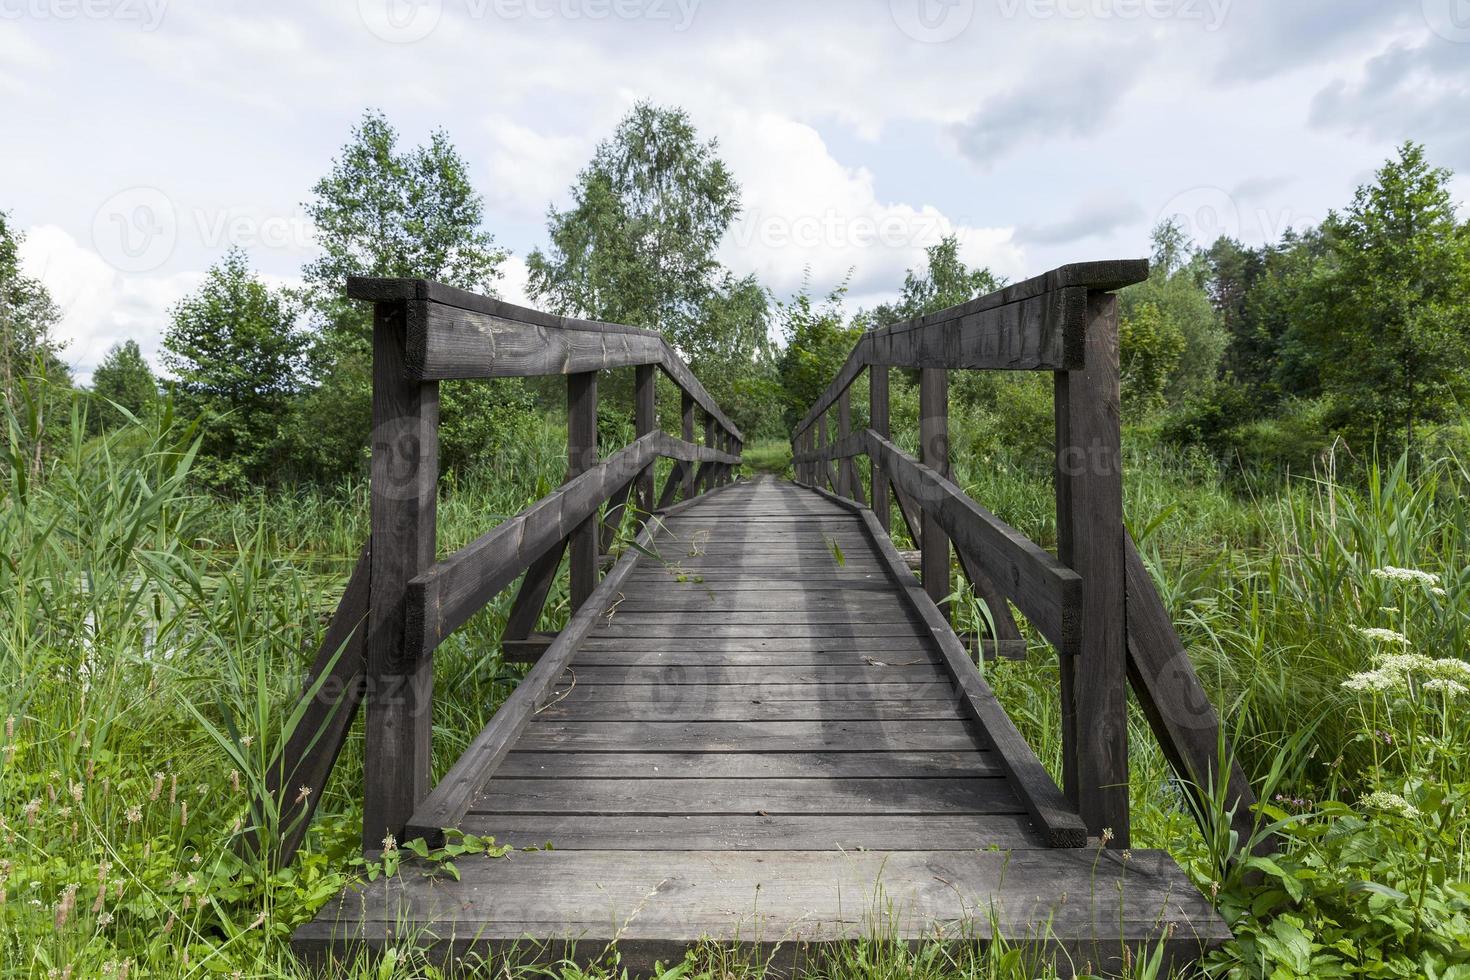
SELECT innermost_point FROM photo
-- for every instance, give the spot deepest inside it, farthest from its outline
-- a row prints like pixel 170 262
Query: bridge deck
pixel 761 742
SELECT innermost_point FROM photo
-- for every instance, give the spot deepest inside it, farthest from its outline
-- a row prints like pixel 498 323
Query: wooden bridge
pixel 758 726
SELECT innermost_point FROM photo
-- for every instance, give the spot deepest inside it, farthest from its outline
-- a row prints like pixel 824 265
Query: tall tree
pixel 817 342
pixel 383 210
pixel 237 357
pixel 1387 319
pixel 638 246
pixel 123 381
pixel 945 281
pixel 31 369
pixel 1177 306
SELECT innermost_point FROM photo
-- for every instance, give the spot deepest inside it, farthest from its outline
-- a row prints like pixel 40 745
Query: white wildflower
pixel 1451 689
pixel 1373 680
pixel 1449 669
pixel 1389 573
pixel 1382 635
pixel 1404 664
pixel 1389 802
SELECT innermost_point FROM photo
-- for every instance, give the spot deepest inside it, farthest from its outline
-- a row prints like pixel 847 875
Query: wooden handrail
pixel 426 332
pixel 1093 601
pixel 1033 325
pixel 453 334
pixel 443 598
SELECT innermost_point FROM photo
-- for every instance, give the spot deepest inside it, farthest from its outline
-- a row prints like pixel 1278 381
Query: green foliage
pixel 1182 317
pixel 124 385
pixel 945 281
pixel 236 356
pixel 816 346
pixel 638 247
pixel 1388 317
pixel 1150 345
pixel 383 211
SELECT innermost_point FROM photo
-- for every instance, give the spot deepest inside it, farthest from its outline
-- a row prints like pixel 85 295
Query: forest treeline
pixel 1351 334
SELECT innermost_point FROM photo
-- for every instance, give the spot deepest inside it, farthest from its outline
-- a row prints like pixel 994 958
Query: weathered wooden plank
pixel 1092 462
pixel 934 454
pixel 701 706
pixel 405 471
pixel 445 596
pixel 856 621
pixel 449 800
pixel 1040 333
pixel 1177 706
pixel 582 456
pixel 629 628
pixel 1044 589
pixel 878 690
pixel 736 736
pixel 878 415
pixel 748 796
pixel 455 334
pixel 909 646
pixel 588 673
pixel 1058 822
pixel 744 832
pixel 657 905
pixel 645 420
pixel 651 600
pixel 750 765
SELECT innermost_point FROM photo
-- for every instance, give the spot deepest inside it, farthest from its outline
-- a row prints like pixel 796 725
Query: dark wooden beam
pixel 1035 325
pixel 445 596
pixel 405 469
pixel 1046 591
pixel 878 413
pixel 934 453
pixel 456 334
pixel 452 797
pixel 645 420
pixel 582 455
pixel 1091 462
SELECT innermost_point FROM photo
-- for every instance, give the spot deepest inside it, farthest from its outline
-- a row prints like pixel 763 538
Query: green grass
pixel 152 639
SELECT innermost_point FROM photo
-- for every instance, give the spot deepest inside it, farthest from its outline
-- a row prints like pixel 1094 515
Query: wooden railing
pixel 402 600
pixel 1093 600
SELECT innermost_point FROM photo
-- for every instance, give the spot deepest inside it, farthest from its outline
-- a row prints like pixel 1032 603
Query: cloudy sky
pixel 140 138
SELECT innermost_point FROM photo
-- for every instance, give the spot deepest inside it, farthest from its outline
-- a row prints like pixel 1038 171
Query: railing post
pixel 582 456
pixel 686 412
pixel 878 422
pixel 1089 488
pixel 934 453
pixel 711 480
pixel 846 469
pixel 824 470
pixel 645 420
pixel 405 470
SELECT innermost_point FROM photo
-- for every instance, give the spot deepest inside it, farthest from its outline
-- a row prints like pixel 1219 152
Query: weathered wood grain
pixel 1046 591
pixel 400 676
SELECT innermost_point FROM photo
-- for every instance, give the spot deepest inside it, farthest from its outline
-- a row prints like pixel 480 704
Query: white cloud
pixel 100 306
pixel 804 209
pixel 529 169
pixel 512 285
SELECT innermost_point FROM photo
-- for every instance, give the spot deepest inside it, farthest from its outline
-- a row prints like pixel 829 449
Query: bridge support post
pixel 645 420
pixel 686 411
pixel 846 468
pixel 878 411
pixel 934 453
pixel 582 456
pixel 400 678
pixel 1089 490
